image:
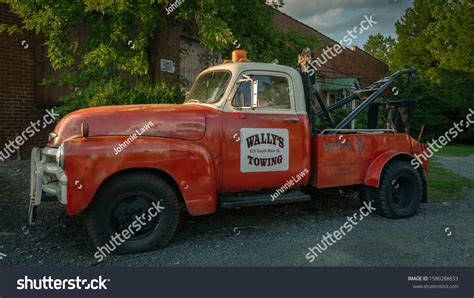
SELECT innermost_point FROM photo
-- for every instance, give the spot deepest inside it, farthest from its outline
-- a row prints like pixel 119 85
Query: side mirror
pixel 253 91
pixel 254 95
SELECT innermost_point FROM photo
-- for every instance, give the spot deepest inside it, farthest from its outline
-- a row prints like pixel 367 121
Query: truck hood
pixel 186 122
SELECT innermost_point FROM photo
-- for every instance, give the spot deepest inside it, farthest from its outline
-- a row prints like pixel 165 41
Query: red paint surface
pixel 92 161
pixel 195 146
pixel 184 142
pixel 343 160
pixel 186 122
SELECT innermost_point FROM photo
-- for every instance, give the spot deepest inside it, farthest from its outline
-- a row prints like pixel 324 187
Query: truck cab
pixel 244 136
pixel 264 137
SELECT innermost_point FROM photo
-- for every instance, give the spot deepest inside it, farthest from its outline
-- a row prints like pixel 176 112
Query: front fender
pixel 90 162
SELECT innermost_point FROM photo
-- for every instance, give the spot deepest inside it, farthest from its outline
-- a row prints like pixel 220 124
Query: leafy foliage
pixel 437 38
pixel 118 91
pixel 380 47
pixel 104 49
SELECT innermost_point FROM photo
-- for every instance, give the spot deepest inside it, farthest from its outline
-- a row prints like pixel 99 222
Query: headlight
pixel 52 136
pixel 60 156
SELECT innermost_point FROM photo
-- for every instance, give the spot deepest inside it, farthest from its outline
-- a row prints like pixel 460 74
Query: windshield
pixel 209 88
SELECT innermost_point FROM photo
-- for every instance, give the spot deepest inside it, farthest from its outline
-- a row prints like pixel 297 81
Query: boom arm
pixel 386 82
pixel 377 88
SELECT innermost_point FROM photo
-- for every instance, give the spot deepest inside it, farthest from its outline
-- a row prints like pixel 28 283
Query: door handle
pixel 293 120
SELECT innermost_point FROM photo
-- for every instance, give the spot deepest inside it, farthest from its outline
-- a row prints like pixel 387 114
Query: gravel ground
pixel 461 165
pixel 440 235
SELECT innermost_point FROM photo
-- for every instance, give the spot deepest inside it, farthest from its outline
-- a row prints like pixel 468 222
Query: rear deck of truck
pixel 350 159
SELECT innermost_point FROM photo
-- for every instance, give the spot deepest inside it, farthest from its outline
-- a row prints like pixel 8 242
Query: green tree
pixel 115 65
pixel 437 38
pixel 380 47
pixel 434 35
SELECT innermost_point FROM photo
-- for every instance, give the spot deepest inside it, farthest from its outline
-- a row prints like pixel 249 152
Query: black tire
pixel 119 201
pixel 399 193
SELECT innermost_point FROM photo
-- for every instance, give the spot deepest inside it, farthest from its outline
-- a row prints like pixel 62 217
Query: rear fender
pixel 90 162
pixel 375 169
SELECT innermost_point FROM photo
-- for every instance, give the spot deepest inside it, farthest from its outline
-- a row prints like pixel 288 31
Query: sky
pixel 334 17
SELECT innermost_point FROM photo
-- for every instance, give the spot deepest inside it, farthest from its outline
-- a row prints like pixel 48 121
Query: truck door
pixel 263 148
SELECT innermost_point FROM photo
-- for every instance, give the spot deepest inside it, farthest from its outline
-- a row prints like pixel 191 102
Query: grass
pixel 457 150
pixel 444 184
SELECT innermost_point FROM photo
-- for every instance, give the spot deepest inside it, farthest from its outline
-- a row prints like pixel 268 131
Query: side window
pixel 242 97
pixel 273 93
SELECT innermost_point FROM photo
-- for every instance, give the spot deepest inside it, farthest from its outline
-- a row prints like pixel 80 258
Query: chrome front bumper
pixel 46 176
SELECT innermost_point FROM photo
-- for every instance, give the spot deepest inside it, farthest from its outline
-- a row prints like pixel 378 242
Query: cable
pixel 358 76
pixel 347 73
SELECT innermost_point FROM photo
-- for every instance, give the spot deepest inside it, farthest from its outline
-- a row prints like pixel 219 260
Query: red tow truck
pixel 246 135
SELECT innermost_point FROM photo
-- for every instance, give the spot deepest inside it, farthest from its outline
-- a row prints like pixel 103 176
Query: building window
pixel 195 57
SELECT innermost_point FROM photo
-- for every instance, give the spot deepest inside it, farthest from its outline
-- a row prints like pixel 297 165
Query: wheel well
pixel 407 158
pixel 162 174
pixel 402 157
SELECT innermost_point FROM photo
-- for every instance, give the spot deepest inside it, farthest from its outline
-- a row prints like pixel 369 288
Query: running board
pixel 257 199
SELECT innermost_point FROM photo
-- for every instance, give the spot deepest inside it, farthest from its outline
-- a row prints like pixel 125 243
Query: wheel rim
pixel 402 192
pixel 128 208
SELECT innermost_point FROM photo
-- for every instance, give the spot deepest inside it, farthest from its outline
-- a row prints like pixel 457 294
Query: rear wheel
pixel 141 208
pixel 399 193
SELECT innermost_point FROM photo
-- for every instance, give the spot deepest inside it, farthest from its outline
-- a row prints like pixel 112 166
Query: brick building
pixel 23 66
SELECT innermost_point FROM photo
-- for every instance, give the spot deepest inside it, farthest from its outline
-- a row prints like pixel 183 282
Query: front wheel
pixel 133 213
pixel 399 193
